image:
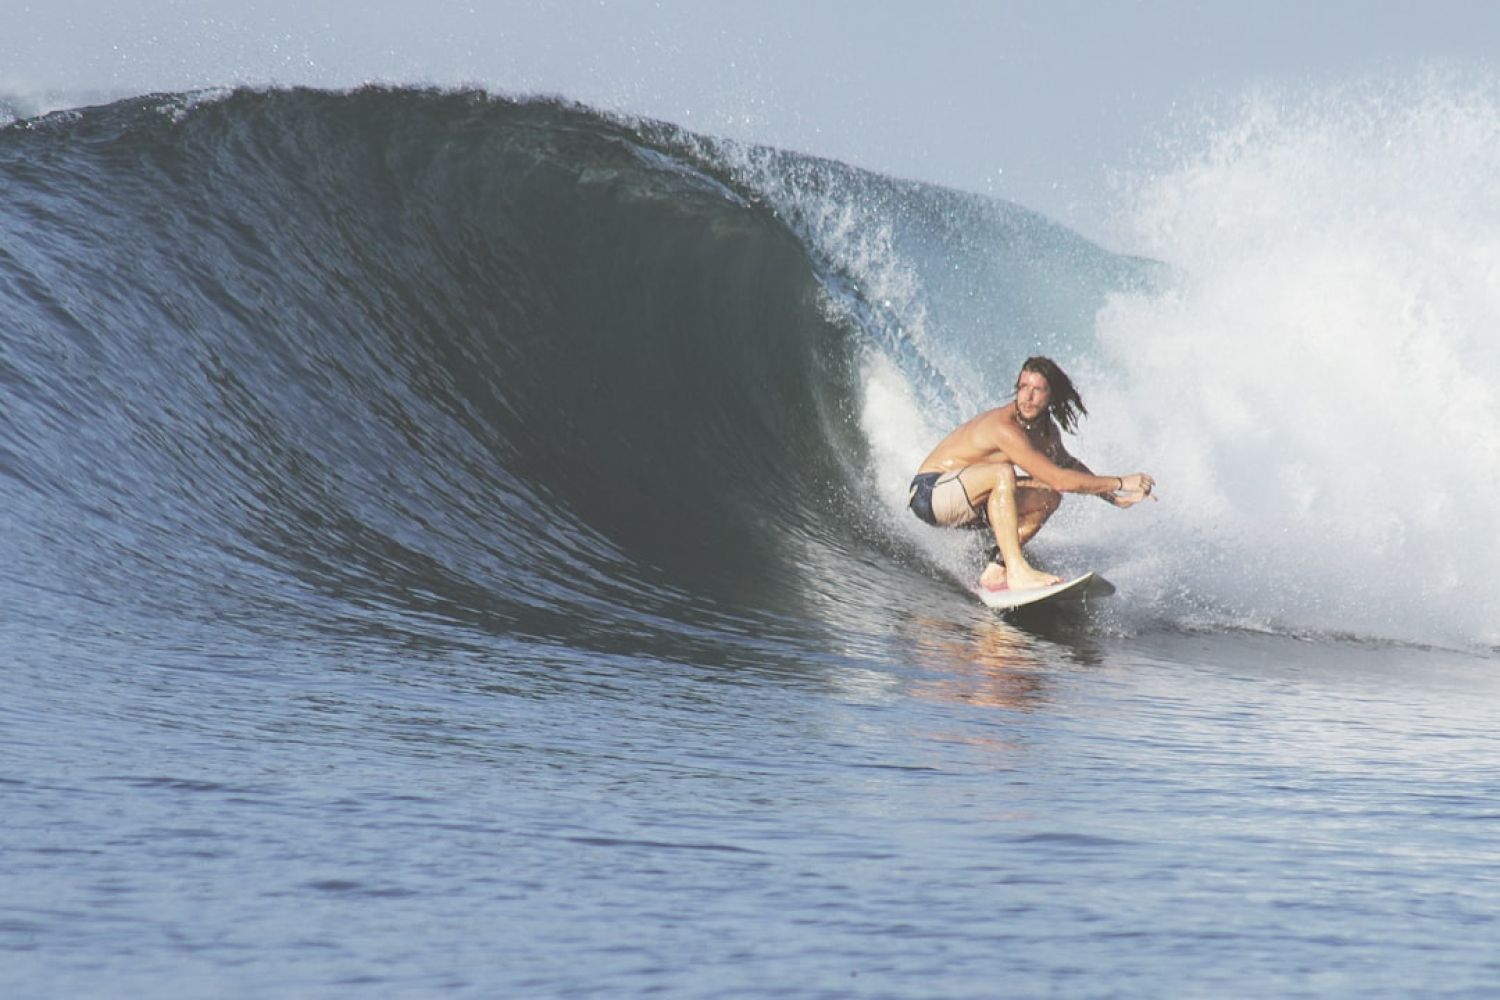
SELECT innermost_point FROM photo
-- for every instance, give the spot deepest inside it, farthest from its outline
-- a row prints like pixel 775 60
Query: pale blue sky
pixel 1040 102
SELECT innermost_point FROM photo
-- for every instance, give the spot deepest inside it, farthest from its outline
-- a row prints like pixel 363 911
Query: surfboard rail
pixel 1090 584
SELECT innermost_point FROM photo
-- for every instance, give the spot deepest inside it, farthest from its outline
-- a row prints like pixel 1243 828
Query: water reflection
pixel 993 662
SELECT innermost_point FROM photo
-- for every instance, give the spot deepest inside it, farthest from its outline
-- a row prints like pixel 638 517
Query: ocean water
pixel 452 545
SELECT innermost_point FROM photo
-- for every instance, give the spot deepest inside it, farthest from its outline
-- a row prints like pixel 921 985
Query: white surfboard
pixel 1087 585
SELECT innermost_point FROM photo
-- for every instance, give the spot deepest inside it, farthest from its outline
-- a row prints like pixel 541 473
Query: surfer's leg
pixel 960 499
pixel 1034 505
pixel 1004 512
pixel 993 575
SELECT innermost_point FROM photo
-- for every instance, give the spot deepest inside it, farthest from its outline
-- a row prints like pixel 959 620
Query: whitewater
pixel 454 544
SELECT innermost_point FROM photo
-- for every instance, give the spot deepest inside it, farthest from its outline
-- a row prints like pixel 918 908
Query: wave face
pixel 298 358
pixel 302 362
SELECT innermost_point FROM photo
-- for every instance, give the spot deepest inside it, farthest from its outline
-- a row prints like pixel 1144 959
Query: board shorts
pixel 940 499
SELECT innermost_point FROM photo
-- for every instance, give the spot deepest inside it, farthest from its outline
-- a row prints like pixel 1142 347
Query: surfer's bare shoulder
pixel 995 435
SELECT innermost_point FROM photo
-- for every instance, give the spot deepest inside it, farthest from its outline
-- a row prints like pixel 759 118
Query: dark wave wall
pixel 495 359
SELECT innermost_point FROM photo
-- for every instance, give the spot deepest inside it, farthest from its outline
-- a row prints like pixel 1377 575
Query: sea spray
pixel 1316 389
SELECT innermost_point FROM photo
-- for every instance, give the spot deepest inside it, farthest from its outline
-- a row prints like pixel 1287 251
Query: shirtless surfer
pixel 970 480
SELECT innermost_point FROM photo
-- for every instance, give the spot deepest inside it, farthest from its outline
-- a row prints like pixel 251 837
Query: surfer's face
pixel 1032 395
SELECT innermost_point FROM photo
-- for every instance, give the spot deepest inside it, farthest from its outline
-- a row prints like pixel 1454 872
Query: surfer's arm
pixel 1072 463
pixel 1021 452
pixel 1124 491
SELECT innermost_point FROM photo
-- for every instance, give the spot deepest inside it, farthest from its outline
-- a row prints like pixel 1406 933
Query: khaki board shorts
pixel 940 499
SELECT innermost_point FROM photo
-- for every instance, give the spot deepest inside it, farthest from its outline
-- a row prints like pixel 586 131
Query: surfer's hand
pixel 1135 488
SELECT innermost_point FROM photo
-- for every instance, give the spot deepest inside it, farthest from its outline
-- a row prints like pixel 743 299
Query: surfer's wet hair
pixel 1066 405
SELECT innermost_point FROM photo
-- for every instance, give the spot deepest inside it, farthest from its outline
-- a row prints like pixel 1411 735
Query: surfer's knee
pixel 1003 479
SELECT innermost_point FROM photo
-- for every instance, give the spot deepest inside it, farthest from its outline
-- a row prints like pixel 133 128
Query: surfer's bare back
pixel 971 478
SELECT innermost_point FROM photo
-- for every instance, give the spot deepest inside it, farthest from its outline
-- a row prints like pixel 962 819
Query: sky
pixel 1048 104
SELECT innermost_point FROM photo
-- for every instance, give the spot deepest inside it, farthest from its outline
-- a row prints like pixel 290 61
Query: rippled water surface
pixel 986 811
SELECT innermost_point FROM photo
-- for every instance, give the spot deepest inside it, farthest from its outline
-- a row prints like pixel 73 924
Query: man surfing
pixel 1007 469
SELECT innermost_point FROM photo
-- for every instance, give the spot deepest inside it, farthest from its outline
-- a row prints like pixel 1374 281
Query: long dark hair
pixel 1066 405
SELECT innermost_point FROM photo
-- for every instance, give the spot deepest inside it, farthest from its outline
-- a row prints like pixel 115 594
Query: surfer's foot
pixel 1028 578
pixel 993 577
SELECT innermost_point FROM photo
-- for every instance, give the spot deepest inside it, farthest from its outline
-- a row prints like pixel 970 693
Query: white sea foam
pixel 1317 392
